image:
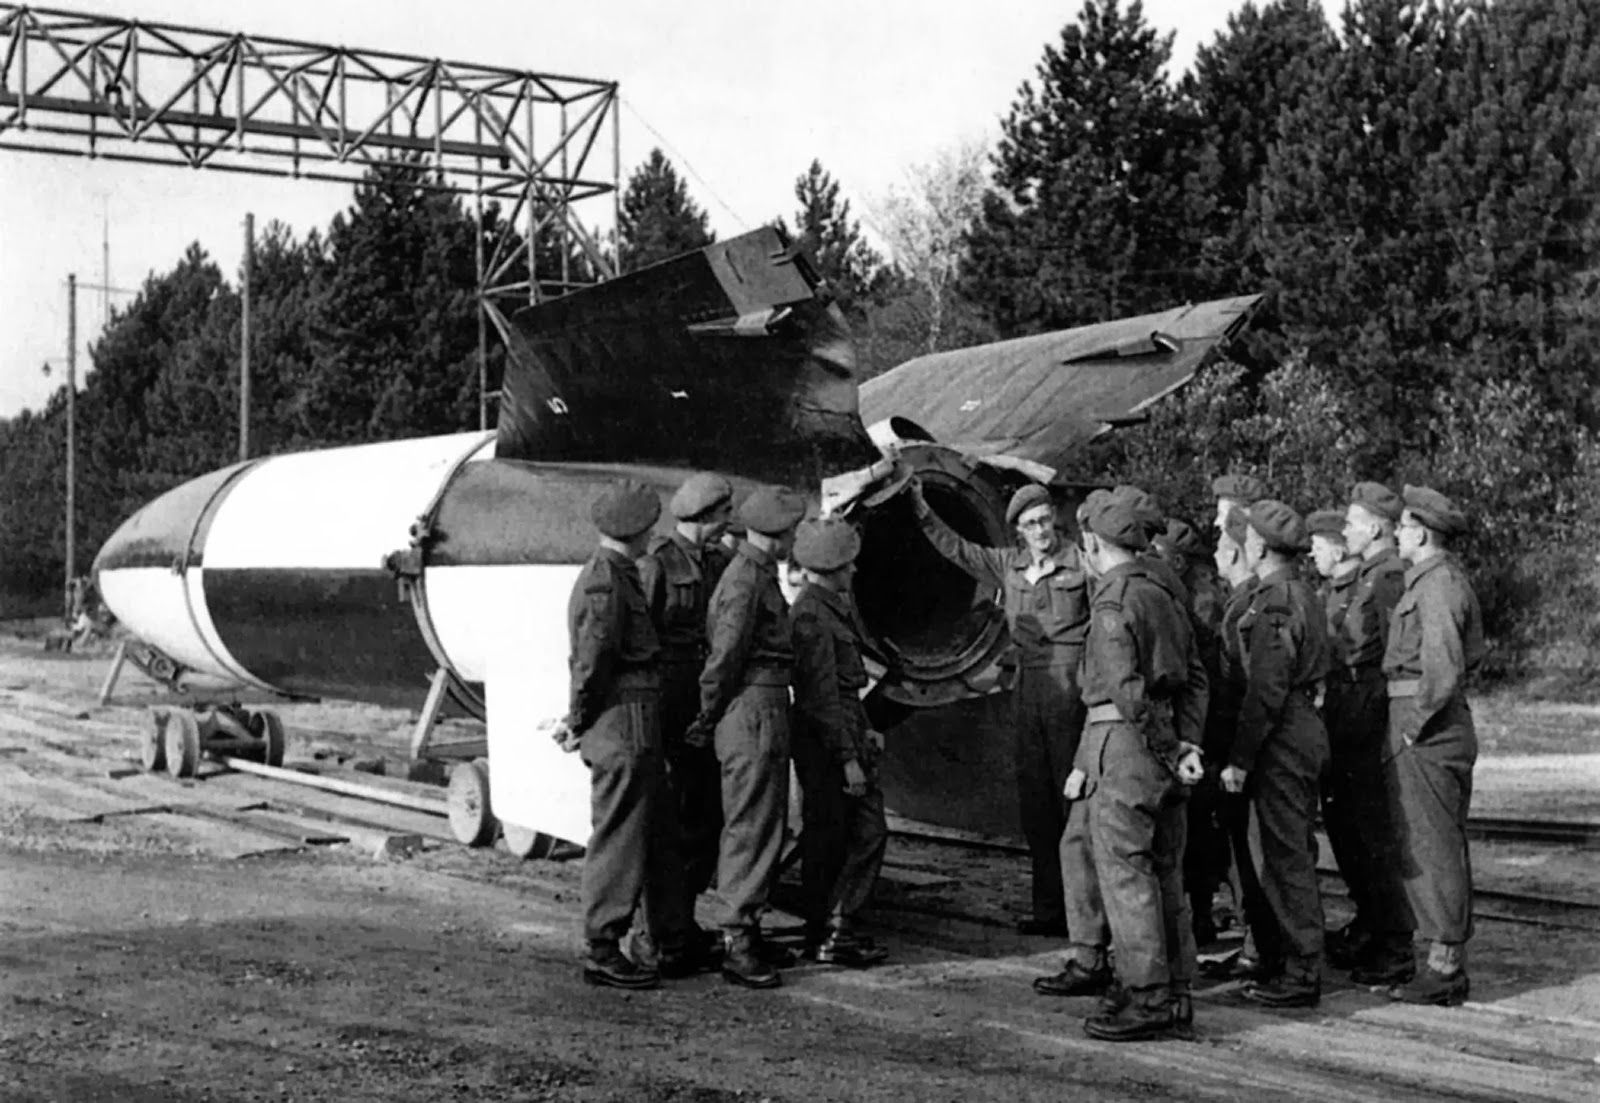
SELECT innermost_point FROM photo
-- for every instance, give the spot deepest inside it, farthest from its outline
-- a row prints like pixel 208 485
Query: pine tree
pixel 854 270
pixel 1092 213
pixel 659 220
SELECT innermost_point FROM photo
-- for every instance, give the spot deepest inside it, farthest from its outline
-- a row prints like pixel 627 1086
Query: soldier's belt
pixel 1404 687
pixel 766 676
pixel 636 680
pixel 1353 674
pixel 1102 714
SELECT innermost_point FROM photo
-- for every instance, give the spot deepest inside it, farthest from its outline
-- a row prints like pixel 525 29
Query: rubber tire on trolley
pixel 267 726
pixel 182 743
pixel 471 816
pixel 153 744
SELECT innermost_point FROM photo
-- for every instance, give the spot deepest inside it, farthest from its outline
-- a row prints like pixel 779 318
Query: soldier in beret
pixel 613 722
pixel 744 713
pixel 1045 596
pixel 1206 856
pixel 678 573
pixel 1435 642
pixel 1280 751
pixel 1235 492
pixel 1221 725
pixel 1376 943
pixel 1141 677
pixel 835 751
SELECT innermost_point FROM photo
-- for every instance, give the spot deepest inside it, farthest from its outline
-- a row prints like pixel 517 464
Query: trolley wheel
pixel 182 743
pixel 267 726
pixel 471 818
pixel 525 843
pixel 153 744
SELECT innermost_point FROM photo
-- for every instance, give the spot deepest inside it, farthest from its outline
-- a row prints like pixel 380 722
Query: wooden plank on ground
pixel 219 839
pixel 341 809
pixel 65 799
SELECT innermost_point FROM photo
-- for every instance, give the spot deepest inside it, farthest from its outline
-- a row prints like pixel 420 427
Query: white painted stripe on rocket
pixel 466 603
pixel 533 784
pixel 340 508
pixel 152 602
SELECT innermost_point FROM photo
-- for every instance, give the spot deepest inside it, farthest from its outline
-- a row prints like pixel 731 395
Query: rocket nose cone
pixel 165 530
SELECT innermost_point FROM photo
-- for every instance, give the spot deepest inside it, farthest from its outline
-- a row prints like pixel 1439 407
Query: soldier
pixel 1045 597
pixel 1235 492
pixel 1435 641
pixel 744 710
pixel 1376 943
pixel 1139 678
pixel 835 752
pixel 1205 857
pixel 613 722
pixel 1281 747
pixel 1334 564
pixel 678 574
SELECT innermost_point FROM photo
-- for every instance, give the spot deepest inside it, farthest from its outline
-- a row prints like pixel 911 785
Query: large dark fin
pixel 1039 398
pixel 729 358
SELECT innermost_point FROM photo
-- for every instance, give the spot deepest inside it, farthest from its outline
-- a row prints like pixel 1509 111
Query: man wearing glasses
pixel 1044 592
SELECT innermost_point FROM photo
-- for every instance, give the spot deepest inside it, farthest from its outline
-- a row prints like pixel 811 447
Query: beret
pixel 1241 488
pixel 1435 510
pixel 826 544
pixel 700 493
pixel 624 509
pixel 1326 522
pixel 1280 526
pixel 771 510
pixel 1025 499
pixel 1088 503
pixel 1180 538
pixel 1377 499
pixel 1145 508
pixel 1235 524
pixel 1116 518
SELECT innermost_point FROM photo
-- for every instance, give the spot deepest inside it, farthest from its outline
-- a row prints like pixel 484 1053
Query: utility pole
pixel 72 444
pixel 244 337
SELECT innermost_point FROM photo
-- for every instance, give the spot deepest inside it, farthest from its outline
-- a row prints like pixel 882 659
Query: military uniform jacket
pixel 1336 594
pixel 678 577
pixel 829 674
pixel 1047 616
pixel 1363 629
pixel 748 626
pixel 1140 656
pixel 1282 638
pixel 1435 635
pixel 614 644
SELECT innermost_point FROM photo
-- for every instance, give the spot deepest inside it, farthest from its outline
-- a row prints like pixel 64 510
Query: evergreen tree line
pixel 1413 185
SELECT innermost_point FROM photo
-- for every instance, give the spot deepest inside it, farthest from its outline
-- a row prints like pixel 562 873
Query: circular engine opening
pixel 929 616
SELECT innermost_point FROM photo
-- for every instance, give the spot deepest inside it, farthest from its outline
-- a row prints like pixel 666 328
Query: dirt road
pixel 137 962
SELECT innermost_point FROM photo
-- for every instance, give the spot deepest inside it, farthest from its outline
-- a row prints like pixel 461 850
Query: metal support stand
pixel 114 673
pixel 422 734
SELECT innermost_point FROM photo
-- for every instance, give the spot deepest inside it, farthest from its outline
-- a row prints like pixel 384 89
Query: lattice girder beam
pixel 152 92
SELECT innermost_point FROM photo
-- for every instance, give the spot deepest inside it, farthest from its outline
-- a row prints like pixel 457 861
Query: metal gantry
pixel 157 93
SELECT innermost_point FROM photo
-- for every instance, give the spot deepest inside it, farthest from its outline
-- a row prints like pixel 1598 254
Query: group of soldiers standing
pixel 693 685
pixel 1174 729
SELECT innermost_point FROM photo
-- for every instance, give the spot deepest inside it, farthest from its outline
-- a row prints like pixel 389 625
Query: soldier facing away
pixel 1435 641
pixel 744 714
pixel 1141 676
pixel 835 751
pixel 613 722
pixel 678 574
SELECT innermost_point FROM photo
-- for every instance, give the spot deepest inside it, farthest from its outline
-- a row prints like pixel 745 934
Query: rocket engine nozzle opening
pixel 934 623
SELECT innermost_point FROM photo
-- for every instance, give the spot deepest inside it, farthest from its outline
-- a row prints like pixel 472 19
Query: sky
pixel 741 95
